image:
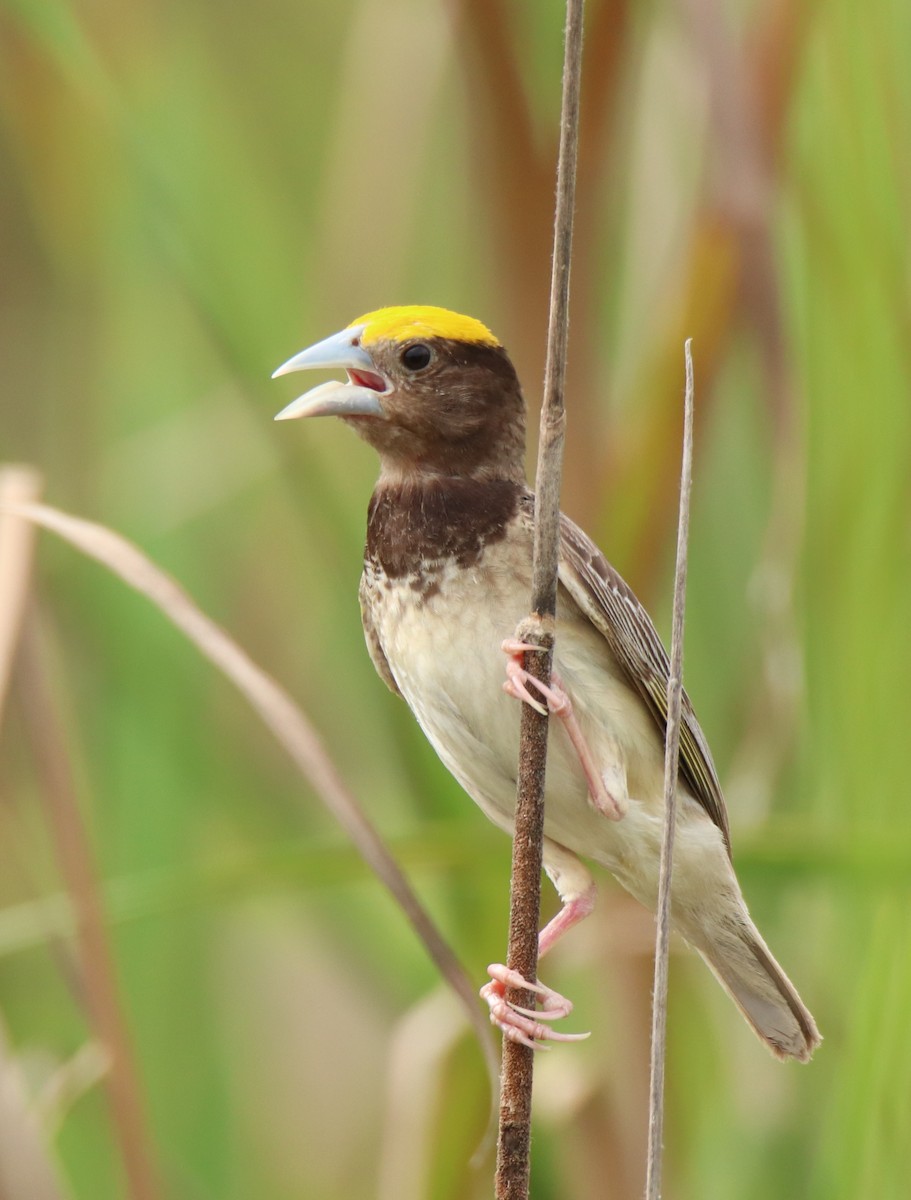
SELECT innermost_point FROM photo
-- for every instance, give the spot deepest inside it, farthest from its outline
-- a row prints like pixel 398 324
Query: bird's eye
pixel 417 356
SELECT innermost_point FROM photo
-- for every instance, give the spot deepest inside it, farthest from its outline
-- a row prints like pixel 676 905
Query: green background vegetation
pixel 189 193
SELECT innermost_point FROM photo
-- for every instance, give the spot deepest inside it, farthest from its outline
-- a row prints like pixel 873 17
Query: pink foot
pixel 518 681
pixel 524 1025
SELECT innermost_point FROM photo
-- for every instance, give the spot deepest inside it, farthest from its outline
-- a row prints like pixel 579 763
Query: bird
pixel 446 583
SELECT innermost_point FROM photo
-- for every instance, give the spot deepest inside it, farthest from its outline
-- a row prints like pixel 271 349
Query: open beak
pixel 358 397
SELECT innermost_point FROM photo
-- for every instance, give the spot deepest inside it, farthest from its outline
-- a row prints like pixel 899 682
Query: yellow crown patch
pixel 421 320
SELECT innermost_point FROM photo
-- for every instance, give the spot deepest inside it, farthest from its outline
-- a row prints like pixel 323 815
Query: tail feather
pixel 759 987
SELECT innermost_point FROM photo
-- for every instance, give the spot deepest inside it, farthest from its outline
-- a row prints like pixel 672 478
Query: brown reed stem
pixel 514 1140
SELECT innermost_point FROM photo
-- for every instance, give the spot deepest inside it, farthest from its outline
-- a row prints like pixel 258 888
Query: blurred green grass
pixel 188 194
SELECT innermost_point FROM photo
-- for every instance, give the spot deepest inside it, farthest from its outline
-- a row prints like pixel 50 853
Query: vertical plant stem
pixel 97 974
pixel 514 1140
pixel 671 759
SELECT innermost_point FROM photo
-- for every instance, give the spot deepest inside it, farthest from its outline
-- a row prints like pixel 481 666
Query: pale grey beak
pixel 359 397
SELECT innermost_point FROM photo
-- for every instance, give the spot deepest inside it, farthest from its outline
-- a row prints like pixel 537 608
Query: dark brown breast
pixel 416 524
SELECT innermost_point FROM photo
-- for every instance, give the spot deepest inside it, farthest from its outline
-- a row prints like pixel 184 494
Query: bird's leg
pixel 517 684
pixel 525 1025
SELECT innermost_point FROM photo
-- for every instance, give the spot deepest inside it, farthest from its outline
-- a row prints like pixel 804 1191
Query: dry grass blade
pixel 671 760
pixel 286 722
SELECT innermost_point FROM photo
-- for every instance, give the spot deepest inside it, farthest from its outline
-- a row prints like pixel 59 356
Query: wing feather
pixel 612 607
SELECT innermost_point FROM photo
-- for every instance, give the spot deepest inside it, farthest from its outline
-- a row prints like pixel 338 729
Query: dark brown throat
pixel 414 524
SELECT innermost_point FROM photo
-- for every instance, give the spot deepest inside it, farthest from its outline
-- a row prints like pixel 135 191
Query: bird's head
pixel 432 391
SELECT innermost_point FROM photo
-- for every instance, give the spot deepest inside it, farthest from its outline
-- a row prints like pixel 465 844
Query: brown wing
pixel 611 606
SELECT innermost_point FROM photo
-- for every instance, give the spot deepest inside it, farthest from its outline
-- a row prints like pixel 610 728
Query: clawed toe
pixel 515 687
pixel 525 1025
pixel 515 647
pixel 518 681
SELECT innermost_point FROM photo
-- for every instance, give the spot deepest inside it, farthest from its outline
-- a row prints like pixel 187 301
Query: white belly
pixel 445 654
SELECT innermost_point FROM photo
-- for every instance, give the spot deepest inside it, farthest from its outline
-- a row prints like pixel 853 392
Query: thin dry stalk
pixel 284 719
pixel 514 1141
pixel 671 761
pixel 96 962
